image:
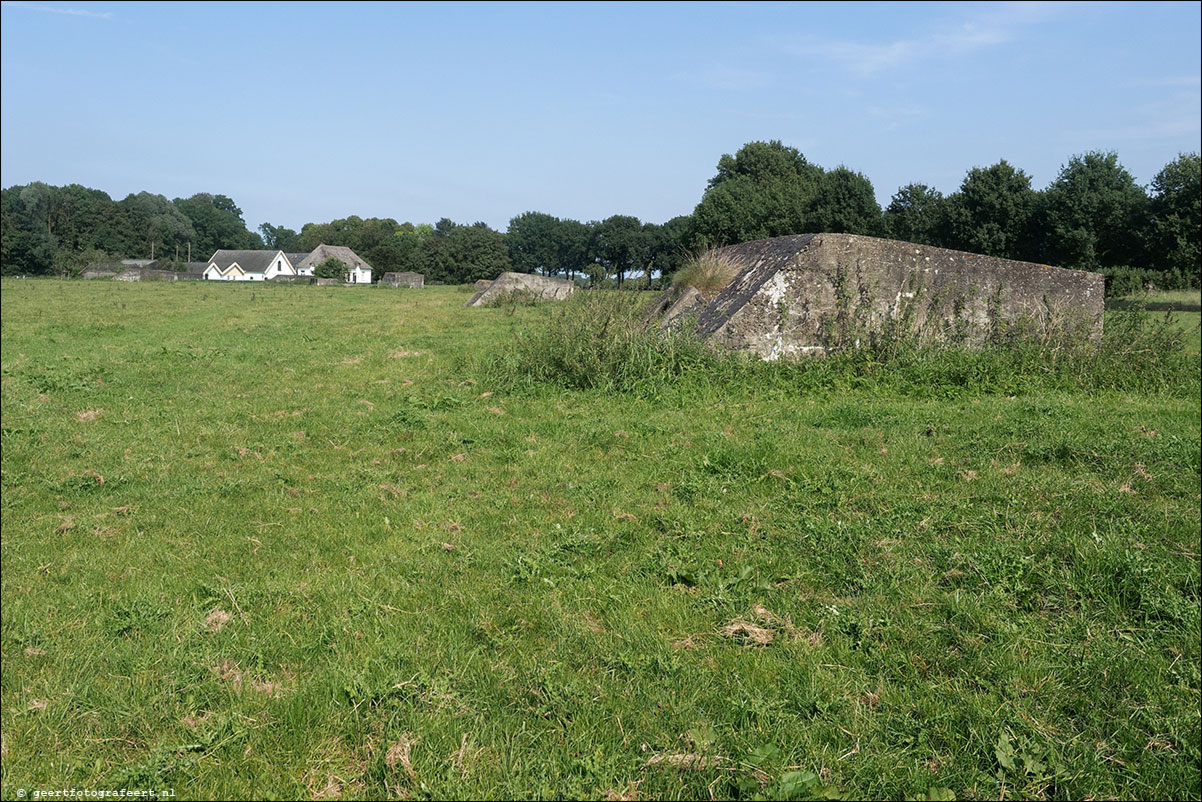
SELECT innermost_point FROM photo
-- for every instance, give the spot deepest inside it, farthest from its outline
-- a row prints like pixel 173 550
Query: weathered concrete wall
pixel 672 305
pixel 146 274
pixel 806 293
pixel 98 272
pixel 528 284
pixel 414 281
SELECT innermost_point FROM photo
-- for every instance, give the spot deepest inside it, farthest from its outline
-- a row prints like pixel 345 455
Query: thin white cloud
pixel 75 12
pixel 996 26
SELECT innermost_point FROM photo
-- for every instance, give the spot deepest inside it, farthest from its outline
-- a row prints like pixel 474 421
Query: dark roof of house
pixel 296 258
pixel 249 261
pixel 339 252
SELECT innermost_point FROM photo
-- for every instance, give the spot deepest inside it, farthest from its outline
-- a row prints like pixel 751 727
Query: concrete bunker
pixel 526 285
pixel 808 293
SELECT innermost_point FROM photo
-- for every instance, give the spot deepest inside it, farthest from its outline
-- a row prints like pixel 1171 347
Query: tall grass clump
pixel 709 271
pixel 596 340
pixel 1138 351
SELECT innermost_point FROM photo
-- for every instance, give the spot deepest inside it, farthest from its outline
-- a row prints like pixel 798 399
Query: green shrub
pixel 332 268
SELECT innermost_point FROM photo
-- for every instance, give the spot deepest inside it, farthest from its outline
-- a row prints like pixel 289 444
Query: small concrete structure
pixel 101 270
pixel 522 284
pixel 810 292
pixel 414 281
pixel 481 284
pixel 146 274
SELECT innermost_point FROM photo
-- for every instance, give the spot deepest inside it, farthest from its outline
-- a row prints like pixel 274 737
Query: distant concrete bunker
pixel 413 281
pixel 796 295
pixel 526 285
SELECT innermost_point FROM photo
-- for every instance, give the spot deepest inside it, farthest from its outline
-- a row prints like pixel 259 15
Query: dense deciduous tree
pixel 916 214
pixel 457 254
pixel 157 224
pixel 217 223
pixel 573 246
pixel 620 245
pixel 531 241
pixel 1176 209
pixel 1093 214
pixel 991 213
pixel 846 204
pixel 278 238
pixel 766 189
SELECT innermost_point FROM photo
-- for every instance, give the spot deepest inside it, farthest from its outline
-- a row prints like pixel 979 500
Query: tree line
pixel 1093 216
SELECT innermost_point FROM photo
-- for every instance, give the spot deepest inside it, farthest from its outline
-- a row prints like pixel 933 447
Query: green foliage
pixel 916 213
pixel 459 254
pixel 620 245
pixel 1176 209
pixel 596 340
pixel 46 228
pixel 217 223
pixel 992 213
pixel 846 204
pixel 1094 214
pixel 332 268
pixel 532 243
pixel 278 238
pixel 766 189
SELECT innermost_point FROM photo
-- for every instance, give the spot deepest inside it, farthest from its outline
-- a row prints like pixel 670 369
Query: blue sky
pixel 306 112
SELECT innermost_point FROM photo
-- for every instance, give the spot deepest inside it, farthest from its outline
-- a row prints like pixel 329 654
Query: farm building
pixel 266 265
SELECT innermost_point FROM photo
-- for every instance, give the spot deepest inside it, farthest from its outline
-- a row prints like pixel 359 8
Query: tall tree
pixel 766 189
pixel 278 238
pixel 459 254
pixel 217 223
pixel 573 247
pixel 846 204
pixel 1094 214
pixel 620 245
pixel 1177 217
pixel 992 211
pixel 531 241
pixel 157 225
pixel 916 214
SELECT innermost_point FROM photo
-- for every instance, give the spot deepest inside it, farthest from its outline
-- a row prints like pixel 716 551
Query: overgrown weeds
pixel 597 341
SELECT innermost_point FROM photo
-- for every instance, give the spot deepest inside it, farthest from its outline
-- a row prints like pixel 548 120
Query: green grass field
pixel 292 541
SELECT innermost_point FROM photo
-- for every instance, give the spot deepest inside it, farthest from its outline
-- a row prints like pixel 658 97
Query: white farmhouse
pixel 360 271
pixel 266 265
pixel 248 266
